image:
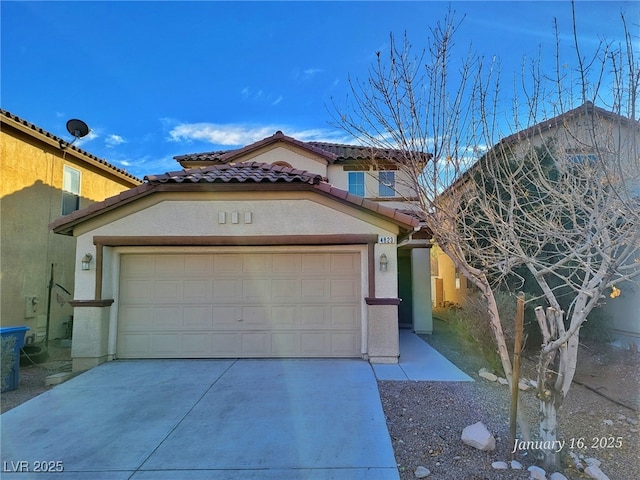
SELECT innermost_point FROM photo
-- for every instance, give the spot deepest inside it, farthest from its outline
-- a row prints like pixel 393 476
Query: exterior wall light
pixel 384 262
pixel 86 261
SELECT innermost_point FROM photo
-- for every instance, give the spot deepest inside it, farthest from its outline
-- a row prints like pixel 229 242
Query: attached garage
pixel 241 304
pixel 234 261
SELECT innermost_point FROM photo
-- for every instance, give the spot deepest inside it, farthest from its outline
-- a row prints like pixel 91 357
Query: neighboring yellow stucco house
pixel 42 178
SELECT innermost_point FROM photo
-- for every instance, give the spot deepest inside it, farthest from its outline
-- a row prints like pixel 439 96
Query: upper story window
pixel 387 184
pixel 70 190
pixel 356 183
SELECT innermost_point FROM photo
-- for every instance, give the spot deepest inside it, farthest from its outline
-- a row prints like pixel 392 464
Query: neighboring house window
pixel 356 183
pixel 582 158
pixel 70 190
pixel 457 277
pixel 387 184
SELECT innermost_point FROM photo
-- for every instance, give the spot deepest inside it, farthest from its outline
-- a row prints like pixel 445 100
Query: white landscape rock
pixel 488 376
pixel 557 476
pixel 523 385
pixel 592 462
pixel 478 436
pixel 516 465
pixel 499 465
pixel 503 381
pixel 422 472
pixel 537 473
pixel 595 473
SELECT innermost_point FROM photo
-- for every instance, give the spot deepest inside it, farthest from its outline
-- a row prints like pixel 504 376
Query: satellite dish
pixel 78 129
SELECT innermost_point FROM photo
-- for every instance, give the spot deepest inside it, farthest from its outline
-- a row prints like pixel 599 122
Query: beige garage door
pixel 239 305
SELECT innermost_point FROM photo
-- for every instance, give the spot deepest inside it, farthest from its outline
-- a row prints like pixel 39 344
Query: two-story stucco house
pixel 43 178
pixel 585 133
pixel 282 248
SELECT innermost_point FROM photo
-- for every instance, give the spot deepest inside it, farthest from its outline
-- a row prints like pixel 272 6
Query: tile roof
pixel 239 174
pixel 332 152
pixel 230 155
pixel 35 130
pixel 587 108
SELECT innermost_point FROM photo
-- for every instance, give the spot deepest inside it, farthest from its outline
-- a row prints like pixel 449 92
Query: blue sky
pixel 158 79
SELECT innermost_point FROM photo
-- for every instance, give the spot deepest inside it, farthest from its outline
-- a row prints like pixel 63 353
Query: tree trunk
pixel 555 372
pixel 549 433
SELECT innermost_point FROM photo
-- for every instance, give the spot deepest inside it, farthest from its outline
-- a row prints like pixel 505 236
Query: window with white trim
pixel 70 190
pixel 387 183
pixel 356 183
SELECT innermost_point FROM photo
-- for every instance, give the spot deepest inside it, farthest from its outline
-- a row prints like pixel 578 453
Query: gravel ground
pixel 426 419
pixel 32 377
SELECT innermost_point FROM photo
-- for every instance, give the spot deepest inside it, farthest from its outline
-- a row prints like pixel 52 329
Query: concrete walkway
pixel 420 361
pixel 205 419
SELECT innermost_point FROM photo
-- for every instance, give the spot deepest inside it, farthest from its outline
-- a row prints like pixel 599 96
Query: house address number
pixel 387 239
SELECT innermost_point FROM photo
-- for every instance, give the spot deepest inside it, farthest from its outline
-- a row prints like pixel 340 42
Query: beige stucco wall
pixel 31 168
pixel 199 214
pixel 297 158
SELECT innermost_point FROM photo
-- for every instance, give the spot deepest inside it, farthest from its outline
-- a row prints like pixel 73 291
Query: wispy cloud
pixel 305 74
pixel 241 135
pixel 259 95
pixel 114 140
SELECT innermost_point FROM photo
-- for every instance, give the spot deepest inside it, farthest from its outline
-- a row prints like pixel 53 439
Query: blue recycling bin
pixel 13 377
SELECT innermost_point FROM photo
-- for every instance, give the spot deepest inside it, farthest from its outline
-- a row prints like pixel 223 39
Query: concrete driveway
pixel 205 419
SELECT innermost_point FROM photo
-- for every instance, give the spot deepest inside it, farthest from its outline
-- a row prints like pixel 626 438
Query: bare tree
pixel 557 198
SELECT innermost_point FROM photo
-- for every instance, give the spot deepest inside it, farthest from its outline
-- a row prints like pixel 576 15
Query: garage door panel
pixel 167 318
pixel 135 345
pixel 239 305
pixel 136 291
pixel 225 344
pixel 315 263
pixel 285 344
pixel 343 343
pixel 255 316
pixel 165 344
pixel 197 317
pixel 256 263
pixel 313 316
pixel 284 316
pixel 226 317
pixel 137 266
pixel 133 318
pixel 255 344
pixel 286 263
pixel 285 290
pixel 344 290
pixel 314 343
pixel 227 290
pixel 196 344
pixel 198 291
pixel 168 291
pixel 314 290
pixel 199 265
pixel 256 290
pixel 169 265
pixel 344 264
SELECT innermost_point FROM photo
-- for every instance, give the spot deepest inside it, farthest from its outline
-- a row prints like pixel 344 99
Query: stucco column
pixel 90 333
pixel 421 290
